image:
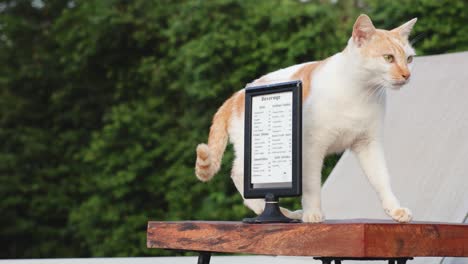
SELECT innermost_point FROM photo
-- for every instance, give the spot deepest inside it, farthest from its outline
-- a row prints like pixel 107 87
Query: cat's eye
pixel 389 58
pixel 409 59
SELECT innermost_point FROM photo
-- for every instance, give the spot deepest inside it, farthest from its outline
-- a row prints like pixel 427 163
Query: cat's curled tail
pixel 209 155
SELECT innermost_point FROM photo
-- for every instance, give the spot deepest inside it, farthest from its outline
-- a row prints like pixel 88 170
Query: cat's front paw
pixel 313 216
pixel 401 214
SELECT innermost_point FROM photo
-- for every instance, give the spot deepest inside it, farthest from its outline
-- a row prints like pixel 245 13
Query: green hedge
pixel 103 102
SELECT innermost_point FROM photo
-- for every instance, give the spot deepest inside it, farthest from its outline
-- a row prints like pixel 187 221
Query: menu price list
pixel 271 149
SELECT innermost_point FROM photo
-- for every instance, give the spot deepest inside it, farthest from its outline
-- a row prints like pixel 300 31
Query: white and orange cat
pixel 343 108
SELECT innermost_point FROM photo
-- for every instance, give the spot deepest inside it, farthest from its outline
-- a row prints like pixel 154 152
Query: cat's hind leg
pixel 237 172
pixel 256 205
pixel 237 175
pixel 292 214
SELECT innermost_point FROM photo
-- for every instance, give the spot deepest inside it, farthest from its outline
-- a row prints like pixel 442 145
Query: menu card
pixel 271 151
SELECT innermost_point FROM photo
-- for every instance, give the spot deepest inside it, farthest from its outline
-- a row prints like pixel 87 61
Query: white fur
pixel 345 110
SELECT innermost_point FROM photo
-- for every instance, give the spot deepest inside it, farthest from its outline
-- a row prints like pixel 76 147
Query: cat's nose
pixel 406 75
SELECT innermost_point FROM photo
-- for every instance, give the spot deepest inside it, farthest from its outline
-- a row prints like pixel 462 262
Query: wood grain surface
pixel 354 238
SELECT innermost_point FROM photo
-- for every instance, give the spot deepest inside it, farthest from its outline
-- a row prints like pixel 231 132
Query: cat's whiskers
pixel 375 90
pixel 382 93
pixel 370 94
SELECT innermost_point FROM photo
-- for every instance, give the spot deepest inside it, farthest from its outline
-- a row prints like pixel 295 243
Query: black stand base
pixel 271 213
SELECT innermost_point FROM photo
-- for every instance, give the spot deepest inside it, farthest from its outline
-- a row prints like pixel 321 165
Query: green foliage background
pixel 102 103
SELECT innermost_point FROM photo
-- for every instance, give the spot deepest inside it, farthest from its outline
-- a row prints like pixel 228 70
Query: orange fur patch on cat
pixel 209 156
pixel 305 75
pixel 239 103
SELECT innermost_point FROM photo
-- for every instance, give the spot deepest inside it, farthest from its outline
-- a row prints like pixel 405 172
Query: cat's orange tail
pixel 209 155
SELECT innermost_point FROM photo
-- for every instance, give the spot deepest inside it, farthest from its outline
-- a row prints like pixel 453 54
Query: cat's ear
pixel 405 29
pixel 363 29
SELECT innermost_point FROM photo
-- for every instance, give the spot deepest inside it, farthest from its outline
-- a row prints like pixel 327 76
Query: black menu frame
pixel 296 188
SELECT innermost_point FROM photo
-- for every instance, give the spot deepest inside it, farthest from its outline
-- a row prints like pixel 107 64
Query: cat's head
pixel 385 55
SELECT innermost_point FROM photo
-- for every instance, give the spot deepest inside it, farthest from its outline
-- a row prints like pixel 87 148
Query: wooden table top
pixel 361 238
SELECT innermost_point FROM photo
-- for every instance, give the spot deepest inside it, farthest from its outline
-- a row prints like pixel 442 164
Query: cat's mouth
pixel 397 84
